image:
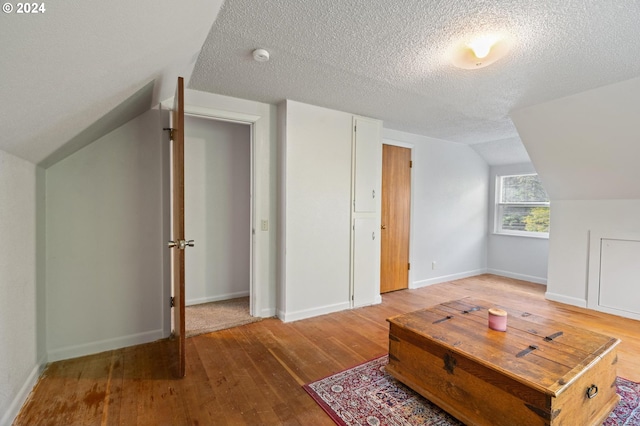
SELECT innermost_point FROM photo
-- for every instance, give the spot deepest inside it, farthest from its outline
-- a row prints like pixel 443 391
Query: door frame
pixel 250 120
pixel 259 200
pixel 411 147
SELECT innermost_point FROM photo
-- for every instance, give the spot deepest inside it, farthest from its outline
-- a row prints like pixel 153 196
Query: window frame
pixel 500 206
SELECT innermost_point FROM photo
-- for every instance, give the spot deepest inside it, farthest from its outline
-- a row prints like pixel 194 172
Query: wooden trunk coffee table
pixel 538 372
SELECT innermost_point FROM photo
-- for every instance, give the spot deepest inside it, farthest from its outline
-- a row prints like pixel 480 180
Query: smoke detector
pixel 261 55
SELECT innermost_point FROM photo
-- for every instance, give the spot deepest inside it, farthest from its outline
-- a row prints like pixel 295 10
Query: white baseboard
pixel 309 313
pixel 517 276
pixel 618 312
pixel 24 392
pixel 582 303
pixel 446 278
pixel 104 345
pixel 566 299
pixel 376 301
pixel 216 298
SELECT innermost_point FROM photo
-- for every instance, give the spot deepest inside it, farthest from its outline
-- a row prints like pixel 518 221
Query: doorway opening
pixel 218 206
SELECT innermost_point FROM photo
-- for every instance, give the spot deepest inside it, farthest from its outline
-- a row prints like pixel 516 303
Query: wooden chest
pixel 538 372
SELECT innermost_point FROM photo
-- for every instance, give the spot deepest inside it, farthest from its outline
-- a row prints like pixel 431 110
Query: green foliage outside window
pixel 524 204
pixel 537 220
pixel 523 189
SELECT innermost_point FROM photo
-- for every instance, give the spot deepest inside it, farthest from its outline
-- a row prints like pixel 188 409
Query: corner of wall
pixel 23 394
pixel 41 264
pixel 281 204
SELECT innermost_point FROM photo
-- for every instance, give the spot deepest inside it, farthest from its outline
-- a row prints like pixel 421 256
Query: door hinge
pixel 170 130
pixel 410 164
pixel 409 266
pixel 355 128
pixel 172 302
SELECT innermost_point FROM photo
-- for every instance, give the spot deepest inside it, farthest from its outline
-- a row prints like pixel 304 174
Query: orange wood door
pixel 396 212
pixel 178 257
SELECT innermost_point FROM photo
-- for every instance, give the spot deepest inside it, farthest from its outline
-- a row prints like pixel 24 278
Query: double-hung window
pixel 522 206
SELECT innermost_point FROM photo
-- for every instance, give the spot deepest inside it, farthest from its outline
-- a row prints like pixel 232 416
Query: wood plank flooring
pixel 253 374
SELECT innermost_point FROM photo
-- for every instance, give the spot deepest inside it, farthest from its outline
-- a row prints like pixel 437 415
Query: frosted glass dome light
pixel 481 46
pixel 480 51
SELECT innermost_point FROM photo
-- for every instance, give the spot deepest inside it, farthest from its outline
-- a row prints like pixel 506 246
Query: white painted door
pixel 367 164
pixel 366 256
pixel 619 272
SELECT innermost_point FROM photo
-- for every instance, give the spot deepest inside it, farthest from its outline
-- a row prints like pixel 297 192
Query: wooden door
pixel 178 244
pixel 395 221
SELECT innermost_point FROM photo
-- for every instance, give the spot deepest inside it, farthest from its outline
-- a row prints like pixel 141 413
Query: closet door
pixel 366 257
pixel 619 271
pixel 365 214
pixel 367 161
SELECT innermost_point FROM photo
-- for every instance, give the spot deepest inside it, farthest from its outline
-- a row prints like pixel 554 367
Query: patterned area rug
pixel 367 395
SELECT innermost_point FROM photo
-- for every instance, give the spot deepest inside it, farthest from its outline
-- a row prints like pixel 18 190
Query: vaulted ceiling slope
pixel 586 146
pixel 391 60
pixel 80 68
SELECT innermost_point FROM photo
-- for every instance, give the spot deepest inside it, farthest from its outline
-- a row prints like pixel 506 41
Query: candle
pixel 498 319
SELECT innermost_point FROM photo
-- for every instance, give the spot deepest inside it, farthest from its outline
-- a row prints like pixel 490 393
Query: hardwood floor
pixel 254 374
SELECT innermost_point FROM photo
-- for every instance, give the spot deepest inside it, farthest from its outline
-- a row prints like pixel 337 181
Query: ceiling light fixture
pixel 261 55
pixel 481 46
pixel 480 51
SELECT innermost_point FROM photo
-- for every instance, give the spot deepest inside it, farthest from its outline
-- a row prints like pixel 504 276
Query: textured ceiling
pixel 82 68
pixel 391 60
pixel 68 68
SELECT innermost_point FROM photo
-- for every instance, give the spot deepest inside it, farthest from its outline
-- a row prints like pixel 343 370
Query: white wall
pixel 20 351
pixel 105 243
pixel 569 243
pixel 449 211
pixel 316 174
pixel 515 256
pixel 217 209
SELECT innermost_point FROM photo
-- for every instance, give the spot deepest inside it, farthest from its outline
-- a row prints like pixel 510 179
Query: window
pixel 522 206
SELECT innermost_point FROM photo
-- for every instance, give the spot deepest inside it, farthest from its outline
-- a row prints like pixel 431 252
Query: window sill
pixel 509 234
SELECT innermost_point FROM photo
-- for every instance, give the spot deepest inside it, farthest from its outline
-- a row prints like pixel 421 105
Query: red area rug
pixel 367 395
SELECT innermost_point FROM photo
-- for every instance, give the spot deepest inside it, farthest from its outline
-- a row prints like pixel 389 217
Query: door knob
pixel 181 244
pixel 384 227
